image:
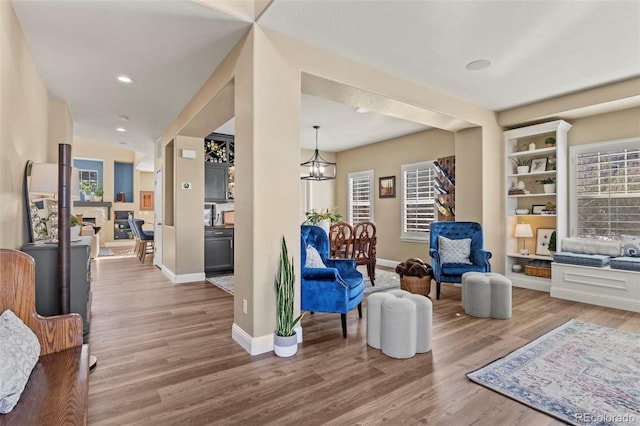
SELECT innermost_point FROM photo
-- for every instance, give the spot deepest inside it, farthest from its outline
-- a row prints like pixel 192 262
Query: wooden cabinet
pixel 445 187
pixel 219 157
pixel 527 201
pixel 218 249
pixel 46 266
pixel 122 230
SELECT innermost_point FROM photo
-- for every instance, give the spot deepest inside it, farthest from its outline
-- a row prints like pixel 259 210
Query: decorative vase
pixel 523 169
pixel 325 224
pixel 97 198
pixel 549 188
pixel 285 346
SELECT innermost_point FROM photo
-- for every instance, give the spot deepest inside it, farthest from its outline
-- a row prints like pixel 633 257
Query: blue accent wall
pixel 90 165
pixel 123 180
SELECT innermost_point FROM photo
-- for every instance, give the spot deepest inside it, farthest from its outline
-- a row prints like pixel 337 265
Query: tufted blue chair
pixel 452 272
pixel 338 288
pixel 145 238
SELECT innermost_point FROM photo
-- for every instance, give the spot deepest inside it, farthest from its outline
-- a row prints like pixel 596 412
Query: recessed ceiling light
pixel 125 79
pixel 123 118
pixel 362 110
pixel 121 129
pixel 478 65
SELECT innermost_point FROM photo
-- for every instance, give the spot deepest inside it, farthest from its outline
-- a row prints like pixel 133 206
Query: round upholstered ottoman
pixel 486 295
pixel 374 317
pixel 424 313
pixel 398 327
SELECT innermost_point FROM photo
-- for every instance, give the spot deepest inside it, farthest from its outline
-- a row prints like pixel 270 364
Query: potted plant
pixel 323 219
pixel 549 184
pixel 522 164
pixel 552 242
pixel 285 341
pixel 87 190
pixel 75 226
pixel 550 142
pixel 98 193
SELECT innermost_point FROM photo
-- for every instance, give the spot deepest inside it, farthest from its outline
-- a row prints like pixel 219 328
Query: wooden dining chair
pixel 341 240
pixel 364 247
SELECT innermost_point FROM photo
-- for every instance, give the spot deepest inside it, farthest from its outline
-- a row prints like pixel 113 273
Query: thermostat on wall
pixel 188 153
pixel 186 185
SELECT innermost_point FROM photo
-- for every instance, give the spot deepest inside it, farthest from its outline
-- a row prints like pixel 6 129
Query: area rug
pixel 105 252
pixel 385 280
pixel 579 373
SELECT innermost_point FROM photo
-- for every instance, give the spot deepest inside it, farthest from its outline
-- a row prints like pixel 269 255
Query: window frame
pixel 413 236
pixel 574 152
pixel 354 175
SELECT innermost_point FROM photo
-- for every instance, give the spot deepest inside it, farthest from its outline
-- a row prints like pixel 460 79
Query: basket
pixel 416 285
pixel 536 271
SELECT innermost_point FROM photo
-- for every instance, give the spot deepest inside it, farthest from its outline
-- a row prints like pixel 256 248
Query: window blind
pixel 418 209
pixel 608 191
pixel 360 197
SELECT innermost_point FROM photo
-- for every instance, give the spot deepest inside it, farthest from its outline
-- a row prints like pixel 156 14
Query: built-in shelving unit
pixel 523 192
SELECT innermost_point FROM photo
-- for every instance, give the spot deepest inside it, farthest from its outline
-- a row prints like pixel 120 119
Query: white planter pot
pixel 325 224
pixel 523 169
pixel 97 198
pixel 549 188
pixel 75 231
pixel 285 346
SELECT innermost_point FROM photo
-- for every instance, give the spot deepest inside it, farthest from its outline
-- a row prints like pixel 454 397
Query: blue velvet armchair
pixel 338 288
pixel 452 272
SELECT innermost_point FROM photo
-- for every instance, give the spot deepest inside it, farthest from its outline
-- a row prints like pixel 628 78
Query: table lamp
pixel 523 230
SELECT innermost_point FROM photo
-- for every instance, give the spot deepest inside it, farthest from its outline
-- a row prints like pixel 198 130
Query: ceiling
pixel 537 50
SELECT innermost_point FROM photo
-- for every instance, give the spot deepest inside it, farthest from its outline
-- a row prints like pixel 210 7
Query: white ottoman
pixel 424 313
pixel 374 317
pixel 398 328
pixel 486 295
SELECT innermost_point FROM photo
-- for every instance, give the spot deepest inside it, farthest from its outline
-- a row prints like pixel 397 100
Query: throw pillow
pixel 631 245
pixel 19 352
pixel 313 259
pixel 454 251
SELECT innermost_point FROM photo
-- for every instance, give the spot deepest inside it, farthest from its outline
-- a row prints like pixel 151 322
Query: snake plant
pixel 285 282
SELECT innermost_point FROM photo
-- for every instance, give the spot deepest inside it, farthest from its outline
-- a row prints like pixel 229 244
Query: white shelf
pixel 515 139
pixel 530 256
pixel 544 194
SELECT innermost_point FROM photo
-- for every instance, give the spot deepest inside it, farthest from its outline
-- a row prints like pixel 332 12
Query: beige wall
pixel 108 154
pixel 385 159
pixel 24 125
pixel 605 127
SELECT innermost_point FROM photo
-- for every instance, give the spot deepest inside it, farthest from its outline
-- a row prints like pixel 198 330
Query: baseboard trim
pixel 183 278
pixel 388 263
pixel 256 345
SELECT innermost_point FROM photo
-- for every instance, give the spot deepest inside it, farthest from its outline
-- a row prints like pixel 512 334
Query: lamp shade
pixel 44 180
pixel 523 230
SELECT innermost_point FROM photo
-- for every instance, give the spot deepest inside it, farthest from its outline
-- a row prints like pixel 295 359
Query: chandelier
pixel 318 167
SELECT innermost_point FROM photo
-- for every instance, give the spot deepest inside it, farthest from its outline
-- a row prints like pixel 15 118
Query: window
pixel 605 189
pixel 418 209
pixel 89 180
pixel 361 197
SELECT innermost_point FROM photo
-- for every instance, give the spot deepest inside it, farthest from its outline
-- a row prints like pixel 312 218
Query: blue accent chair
pixel 144 239
pixel 452 272
pixel 338 288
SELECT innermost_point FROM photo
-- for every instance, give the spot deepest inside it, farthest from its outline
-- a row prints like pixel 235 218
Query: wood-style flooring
pixel 166 357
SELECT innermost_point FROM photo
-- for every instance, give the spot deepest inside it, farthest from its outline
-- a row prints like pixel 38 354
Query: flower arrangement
pixel 314 217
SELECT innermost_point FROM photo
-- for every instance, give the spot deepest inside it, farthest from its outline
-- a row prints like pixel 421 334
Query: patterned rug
pixel 579 373
pixel 385 280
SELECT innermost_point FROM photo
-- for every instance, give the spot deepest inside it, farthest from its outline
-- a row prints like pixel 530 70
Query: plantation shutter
pixel 418 209
pixel 360 197
pixel 608 190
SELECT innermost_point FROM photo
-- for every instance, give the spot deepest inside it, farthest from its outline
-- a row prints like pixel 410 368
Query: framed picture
pixel 543 236
pixel 146 200
pixel 537 208
pixel 387 187
pixel 538 165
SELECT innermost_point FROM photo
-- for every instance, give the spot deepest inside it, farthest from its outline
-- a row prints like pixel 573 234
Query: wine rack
pixel 445 188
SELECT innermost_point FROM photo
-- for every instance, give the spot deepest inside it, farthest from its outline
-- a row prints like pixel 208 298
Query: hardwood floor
pixel 165 357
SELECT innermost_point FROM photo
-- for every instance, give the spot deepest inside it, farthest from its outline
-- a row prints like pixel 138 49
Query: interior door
pixel 157 225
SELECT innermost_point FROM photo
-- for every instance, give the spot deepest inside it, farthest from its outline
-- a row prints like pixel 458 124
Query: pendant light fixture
pixel 317 167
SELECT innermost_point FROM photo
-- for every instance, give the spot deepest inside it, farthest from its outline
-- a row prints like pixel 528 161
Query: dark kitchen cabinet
pixel 218 249
pixel 216 181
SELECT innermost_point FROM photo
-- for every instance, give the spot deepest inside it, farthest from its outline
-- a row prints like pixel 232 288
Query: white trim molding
pixel 183 278
pixel 257 345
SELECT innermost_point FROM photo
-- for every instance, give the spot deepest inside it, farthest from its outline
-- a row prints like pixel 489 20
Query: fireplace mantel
pixel 90 204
